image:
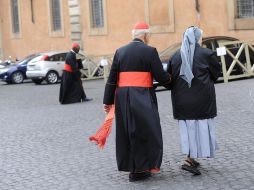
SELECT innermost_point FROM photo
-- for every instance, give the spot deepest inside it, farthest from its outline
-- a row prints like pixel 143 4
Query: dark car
pixel 16 73
pixel 5 63
pixel 211 43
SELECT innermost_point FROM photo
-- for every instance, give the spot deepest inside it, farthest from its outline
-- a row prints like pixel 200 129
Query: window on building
pixel 160 16
pixel 245 8
pixel 97 19
pixel 240 14
pixel 15 16
pixel 56 15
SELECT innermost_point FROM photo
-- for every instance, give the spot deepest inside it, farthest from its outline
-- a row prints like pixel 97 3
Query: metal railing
pixel 242 57
pixel 246 63
pixel 95 67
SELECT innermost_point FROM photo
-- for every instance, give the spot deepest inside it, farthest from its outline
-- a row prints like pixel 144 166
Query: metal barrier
pixel 95 67
pixel 246 63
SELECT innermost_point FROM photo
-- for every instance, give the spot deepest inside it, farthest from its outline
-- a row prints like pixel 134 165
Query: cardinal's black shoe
pixel 139 176
pixel 87 99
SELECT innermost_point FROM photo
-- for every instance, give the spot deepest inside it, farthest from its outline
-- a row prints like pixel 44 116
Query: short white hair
pixel 137 33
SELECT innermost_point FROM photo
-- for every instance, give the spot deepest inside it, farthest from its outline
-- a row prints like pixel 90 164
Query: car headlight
pixel 3 70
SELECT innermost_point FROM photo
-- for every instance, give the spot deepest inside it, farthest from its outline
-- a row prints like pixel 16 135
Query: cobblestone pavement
pixel 44 145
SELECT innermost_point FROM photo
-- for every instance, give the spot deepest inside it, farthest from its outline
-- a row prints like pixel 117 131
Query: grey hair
pixel 137 33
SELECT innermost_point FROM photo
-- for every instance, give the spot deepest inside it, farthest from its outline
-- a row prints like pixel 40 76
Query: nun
pixel 194 70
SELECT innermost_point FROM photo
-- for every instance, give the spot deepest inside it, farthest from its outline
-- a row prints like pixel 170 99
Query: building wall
pixel 1 20
pixel 214 20
pixel 34 37
pixel 1 48
pixel 168 20
pixel 119 22
pixel 121 17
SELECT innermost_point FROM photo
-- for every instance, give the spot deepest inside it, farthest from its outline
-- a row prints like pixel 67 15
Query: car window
pixel 209 44
pixel 57 57
pixel 62 56
pixel 36 59
pixel 26 59
pixel 53 58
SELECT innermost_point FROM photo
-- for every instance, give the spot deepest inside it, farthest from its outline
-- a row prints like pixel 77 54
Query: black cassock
pixel 71 89
pixel 138 132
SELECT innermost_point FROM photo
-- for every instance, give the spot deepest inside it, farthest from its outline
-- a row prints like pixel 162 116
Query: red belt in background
pixel 67 68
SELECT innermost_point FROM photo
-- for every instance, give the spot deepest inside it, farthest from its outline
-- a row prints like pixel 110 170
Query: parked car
pixel 48 66
pixel 5 63
pixel 211 43
pixel 15 73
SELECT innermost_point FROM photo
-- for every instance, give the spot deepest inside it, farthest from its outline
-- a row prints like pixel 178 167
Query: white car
pixel 48 66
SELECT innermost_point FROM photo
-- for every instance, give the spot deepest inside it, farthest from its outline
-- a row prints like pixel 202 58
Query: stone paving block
pixel 44 145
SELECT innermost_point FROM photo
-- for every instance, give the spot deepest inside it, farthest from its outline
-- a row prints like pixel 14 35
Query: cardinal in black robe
pixel 139 146
pixel 71 89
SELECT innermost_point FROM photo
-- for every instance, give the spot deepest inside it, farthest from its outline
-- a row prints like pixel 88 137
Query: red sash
pixel 67 68
pixel 135 79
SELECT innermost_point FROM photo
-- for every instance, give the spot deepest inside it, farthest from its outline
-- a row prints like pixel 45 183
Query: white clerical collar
pixel 73 51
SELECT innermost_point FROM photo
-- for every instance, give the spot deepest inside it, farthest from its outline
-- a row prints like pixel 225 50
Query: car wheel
pixel 17 77
pixel 37 81
pixel 52 77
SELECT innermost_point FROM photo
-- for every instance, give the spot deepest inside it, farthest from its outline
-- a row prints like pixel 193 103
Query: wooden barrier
pixel 246 63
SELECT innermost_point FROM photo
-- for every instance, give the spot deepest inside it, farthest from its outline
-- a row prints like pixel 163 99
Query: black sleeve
pixel 170 71
pixel 157 70
pixel 80 65
pixel 214 66
pixel 109 93
pixel 174 65
pixel 170 66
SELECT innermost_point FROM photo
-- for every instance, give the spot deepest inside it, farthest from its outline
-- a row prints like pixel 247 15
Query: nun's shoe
pixel 192 169
pixel 194 162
